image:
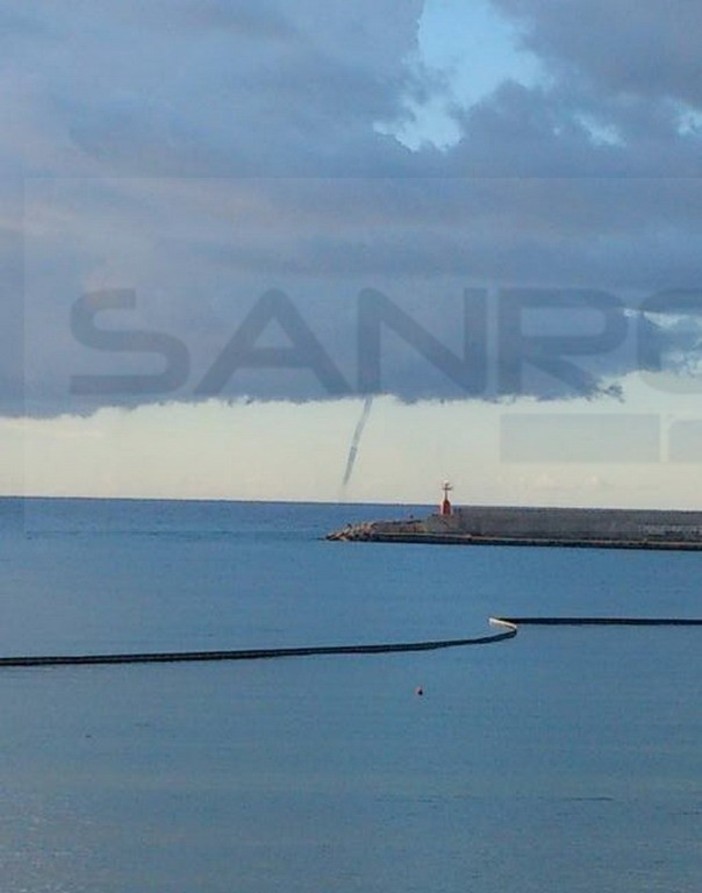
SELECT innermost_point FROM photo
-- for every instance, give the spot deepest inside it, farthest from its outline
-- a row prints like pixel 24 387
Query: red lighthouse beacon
pixel 446 502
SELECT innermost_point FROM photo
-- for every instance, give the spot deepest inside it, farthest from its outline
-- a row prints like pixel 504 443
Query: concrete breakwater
pixel 539 526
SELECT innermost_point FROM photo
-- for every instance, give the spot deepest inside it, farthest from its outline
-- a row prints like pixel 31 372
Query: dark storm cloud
pixel 11 323
pixel 221 88
pixel 640 48
pixel 254 22
pixel 629 234
pixel 228 150
pixel 619 98
pixel 322 243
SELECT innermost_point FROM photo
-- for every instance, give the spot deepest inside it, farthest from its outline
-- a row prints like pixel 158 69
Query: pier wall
pixel 569 523
pixel 520 525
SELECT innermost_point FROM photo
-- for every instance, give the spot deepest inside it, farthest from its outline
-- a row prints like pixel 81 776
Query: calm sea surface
pixel 564 760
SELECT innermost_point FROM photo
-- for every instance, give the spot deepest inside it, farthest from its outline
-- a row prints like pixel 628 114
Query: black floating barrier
pixel 245 654
pixel 596 621
pixel 510 624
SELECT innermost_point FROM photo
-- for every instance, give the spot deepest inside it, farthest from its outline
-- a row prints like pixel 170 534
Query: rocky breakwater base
pixel 539 526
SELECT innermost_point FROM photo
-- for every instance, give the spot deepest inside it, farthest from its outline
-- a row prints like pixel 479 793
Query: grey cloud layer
pixel 228 149
pixel 626 47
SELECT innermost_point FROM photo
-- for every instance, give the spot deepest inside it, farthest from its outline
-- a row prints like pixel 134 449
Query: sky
pixel 253 250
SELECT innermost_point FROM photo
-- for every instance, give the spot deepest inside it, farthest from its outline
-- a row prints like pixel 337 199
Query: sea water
pixel 566 759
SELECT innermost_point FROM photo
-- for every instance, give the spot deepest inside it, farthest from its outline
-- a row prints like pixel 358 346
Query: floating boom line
pixel 247 654
pixel 509 624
